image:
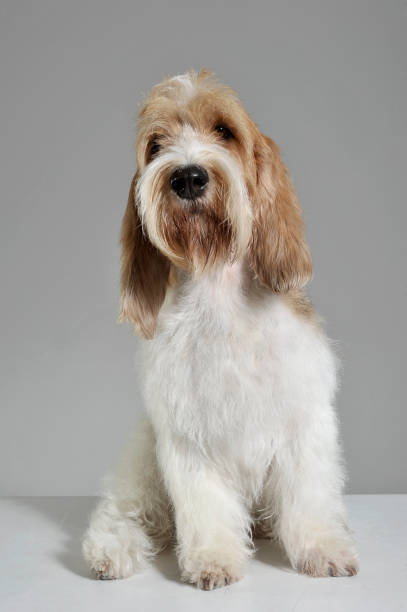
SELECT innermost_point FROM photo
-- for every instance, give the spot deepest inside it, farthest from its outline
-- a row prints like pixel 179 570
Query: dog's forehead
pixel 190 98
pixel 181 88
pixel 185 87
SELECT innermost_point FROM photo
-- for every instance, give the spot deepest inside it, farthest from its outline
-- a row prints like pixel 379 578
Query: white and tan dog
pixel 241 435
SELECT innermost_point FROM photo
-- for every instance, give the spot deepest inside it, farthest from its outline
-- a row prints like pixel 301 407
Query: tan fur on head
pixel 249 208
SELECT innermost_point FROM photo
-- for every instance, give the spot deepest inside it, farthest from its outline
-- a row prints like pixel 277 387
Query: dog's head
pixel 210 188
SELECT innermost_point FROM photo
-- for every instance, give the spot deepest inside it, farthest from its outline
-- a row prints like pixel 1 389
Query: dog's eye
pixel 154 148
pixel 224 131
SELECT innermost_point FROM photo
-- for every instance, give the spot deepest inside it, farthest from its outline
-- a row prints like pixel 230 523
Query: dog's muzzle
pixel 189 182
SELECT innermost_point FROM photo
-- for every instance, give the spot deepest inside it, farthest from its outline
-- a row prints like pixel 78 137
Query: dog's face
pixel 195 159
pixel 209 189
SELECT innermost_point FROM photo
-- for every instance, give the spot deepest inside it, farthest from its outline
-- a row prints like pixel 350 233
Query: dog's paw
pixel 110 557
pixel 105 570
pixel 116 547
pixel 329 562
pixel 212 577
pixel 118 564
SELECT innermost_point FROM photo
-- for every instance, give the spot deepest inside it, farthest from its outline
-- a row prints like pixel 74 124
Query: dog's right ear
pixel 144 272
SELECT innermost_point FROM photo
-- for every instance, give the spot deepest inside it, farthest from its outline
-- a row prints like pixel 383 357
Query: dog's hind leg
pixel 133 519
pixel 306 485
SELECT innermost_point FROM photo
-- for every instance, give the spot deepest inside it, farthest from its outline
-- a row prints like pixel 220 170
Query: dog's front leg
pixel 212 523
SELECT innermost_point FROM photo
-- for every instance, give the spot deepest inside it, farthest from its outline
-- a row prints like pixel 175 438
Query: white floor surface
pixel 41 568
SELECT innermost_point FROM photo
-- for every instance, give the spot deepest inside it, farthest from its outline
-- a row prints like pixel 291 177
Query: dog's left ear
pixel 144 272
pixel 278 250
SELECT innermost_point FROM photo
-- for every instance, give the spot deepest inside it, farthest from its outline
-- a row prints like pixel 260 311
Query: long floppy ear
pixel 278 250
pixel 144 273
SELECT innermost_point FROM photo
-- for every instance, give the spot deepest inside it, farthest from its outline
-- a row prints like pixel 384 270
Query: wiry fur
pixel 239 378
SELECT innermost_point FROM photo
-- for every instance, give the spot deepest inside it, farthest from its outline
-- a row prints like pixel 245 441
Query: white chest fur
pixel 230 368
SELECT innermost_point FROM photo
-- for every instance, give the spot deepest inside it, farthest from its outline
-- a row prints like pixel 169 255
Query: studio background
pixel 325 79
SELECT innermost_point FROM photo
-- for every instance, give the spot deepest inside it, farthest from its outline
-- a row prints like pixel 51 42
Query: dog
pixel 241 436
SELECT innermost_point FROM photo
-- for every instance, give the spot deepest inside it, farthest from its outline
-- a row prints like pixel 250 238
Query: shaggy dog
pixel 241 436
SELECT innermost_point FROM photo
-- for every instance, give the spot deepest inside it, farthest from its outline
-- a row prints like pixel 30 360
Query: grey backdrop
pixel 327 80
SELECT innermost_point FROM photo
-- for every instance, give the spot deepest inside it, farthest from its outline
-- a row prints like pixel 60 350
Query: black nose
pixel 189 182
